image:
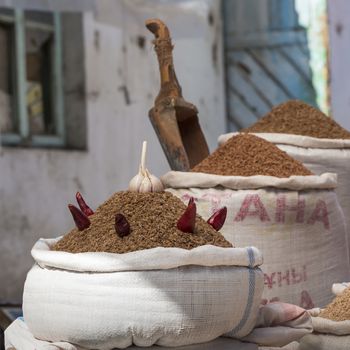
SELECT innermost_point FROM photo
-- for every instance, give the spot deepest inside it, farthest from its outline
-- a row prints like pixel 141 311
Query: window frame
pixel 23 137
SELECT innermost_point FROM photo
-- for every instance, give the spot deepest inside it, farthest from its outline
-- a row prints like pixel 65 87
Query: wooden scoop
pixel 174 119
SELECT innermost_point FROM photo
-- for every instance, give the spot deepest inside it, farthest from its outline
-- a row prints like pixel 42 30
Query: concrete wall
pixel 122 81
pixel 339 36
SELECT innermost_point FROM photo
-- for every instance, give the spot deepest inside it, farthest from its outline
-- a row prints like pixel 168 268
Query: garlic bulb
pixel 144 181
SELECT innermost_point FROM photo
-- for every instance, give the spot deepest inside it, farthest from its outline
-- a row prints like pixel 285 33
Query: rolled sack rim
pixel 293 140
pixel 149 259
pixel 178 179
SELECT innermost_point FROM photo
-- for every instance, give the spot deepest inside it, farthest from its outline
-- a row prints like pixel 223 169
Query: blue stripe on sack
pixel 251 257
pixel 251 291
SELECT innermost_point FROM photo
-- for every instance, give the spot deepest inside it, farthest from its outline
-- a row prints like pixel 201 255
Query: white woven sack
pixel 328 334
pixel 18 337
pixel 164 296
pixel 318 155
pixel 296 222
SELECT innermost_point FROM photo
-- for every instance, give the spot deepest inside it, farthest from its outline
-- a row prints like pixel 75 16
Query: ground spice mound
pixel 152 217
pixel 339 308
pixel 248 155
pixel 299 118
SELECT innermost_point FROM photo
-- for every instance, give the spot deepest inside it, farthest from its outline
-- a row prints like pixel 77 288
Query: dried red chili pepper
pixel 81 220
pixel 83 206
pixel 187 221
pixel 191 200
pixel 217 220
pixel 122 226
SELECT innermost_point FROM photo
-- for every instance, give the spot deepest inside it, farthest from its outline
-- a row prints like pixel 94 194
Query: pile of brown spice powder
pixel 152 217
pixel 248 155
pixel 299 118
pixel 339 308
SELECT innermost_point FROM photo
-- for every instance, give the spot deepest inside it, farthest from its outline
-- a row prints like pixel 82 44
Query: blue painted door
pixel 267 58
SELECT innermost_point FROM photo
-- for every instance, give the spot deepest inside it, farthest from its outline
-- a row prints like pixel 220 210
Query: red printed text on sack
pixel 285 278
pixel 253 207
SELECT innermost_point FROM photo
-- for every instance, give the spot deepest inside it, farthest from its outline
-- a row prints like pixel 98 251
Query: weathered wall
pixel 339 36
pixel 121 83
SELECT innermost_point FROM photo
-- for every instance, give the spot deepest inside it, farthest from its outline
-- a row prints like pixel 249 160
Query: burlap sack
pixel 163 296
pixel 296 222
pixel 318 155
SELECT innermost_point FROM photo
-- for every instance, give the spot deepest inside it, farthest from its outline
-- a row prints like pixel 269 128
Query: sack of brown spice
pixel 311 137
pixel 276 204
pixel 142 269
pixel 331 324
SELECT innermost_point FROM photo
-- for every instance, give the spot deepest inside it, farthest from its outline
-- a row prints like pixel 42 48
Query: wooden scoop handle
pixel 169 85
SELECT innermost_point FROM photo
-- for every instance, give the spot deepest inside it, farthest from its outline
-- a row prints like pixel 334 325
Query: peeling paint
pixel 126 94
pixel 97 40
pixel 211 18
pixel 93 95
pixel 141 42
pixel 214 53
pixel 339 28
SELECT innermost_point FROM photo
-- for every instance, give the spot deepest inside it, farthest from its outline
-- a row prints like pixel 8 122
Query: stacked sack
pixel 311 137
pixel 332 324
pixel 276 204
